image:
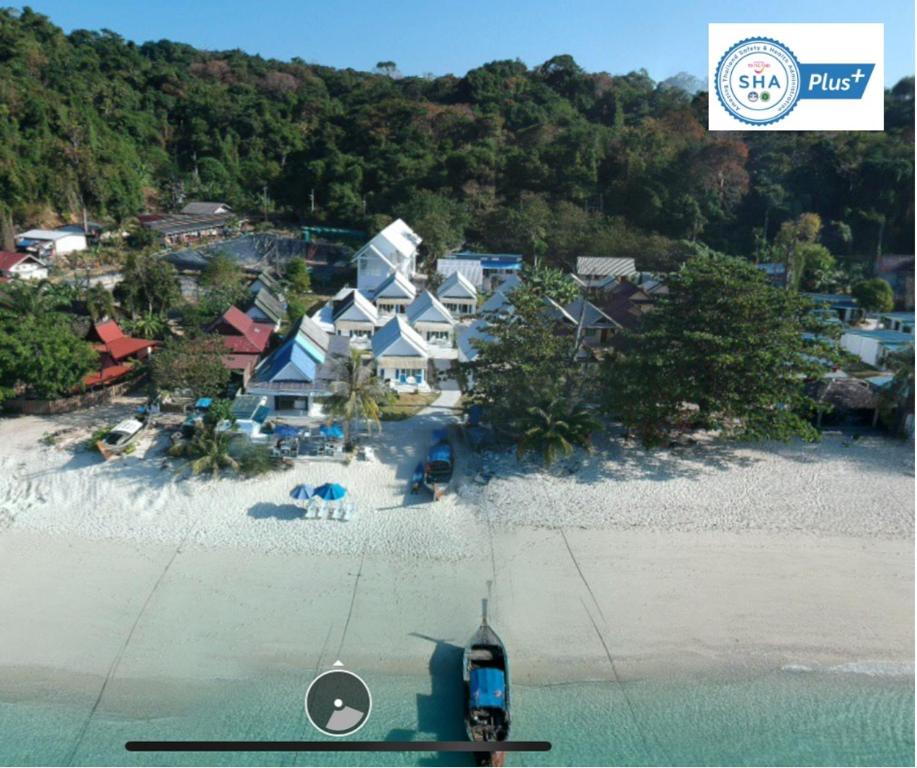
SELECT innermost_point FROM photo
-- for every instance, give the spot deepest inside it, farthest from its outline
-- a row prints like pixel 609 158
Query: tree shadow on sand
pixel 440 713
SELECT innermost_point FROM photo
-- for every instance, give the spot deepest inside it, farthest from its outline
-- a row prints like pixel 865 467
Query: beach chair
pixel 314 510
pixel 346 512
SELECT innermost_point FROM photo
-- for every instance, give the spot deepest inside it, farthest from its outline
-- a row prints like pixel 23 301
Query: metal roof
pixel 605 266
pixel 457 286
pixel 427 308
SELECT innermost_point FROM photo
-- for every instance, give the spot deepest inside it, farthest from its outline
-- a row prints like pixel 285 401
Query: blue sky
pixel 663 36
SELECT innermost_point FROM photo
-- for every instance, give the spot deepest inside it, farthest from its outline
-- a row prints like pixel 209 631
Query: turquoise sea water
pixel 780 718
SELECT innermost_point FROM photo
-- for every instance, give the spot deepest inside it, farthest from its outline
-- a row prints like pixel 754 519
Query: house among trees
pixel 298 375
pixel 195 221
pixel 600 272
pixel 393 294
pixel 469 339
pixel 844 306
pixel 625 304
pixel 50 243
pixel 21 266
pixel 597 327
pixel 874 346
pixel 431 320
pixel 458 294
pixel 394 249
pixel 485 271
pixel 402 356
pixel 898 321
pixel 118 353
pixel 245 341
pixel 267 307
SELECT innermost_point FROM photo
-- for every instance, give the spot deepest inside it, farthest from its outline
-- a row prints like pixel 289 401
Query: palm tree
pixel 358 394
pixel 99 302
pixel 208 451
pixel 149 326
pixel 555 428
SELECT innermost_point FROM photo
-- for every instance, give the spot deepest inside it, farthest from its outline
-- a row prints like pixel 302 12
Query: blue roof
pixel 501 258
pixel 291 351
pixel 488 687
pixel 500 264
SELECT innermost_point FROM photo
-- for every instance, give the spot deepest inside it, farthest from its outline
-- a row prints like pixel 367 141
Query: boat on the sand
pixel 486 677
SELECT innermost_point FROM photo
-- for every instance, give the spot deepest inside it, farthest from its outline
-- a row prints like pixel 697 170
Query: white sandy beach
pixel 636 563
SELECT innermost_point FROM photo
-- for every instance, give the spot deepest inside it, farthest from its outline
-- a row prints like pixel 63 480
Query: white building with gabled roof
pixel 402 357
pixel 355 316
pixel 394 249
pixel 458 294
pixel 431 320
pixel 393 294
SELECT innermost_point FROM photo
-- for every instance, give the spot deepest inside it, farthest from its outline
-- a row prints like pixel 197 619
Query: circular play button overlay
pixel 338 703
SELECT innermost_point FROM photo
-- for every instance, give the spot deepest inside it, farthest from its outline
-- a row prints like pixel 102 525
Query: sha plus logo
pixel 758 81
pixel 770 77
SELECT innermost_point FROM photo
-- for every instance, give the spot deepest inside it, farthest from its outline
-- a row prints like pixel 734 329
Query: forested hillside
pixel 550 160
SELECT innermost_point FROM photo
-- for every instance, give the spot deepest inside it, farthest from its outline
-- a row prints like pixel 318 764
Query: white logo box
pixel 810 44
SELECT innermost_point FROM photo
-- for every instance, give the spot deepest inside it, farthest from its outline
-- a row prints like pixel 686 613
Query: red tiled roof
pixel 250 337
pixel 240 362
pixel 107 374
pixel 108 331
pixel 127 346
pixel 9 260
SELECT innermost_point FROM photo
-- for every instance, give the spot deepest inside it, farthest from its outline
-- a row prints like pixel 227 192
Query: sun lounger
pixel 346 512
pixel 315 509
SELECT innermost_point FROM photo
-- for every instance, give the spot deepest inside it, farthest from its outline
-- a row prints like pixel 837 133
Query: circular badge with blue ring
pixel 758 81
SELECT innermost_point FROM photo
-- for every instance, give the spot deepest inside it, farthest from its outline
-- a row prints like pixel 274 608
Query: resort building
pixel 196 220
pixel 469 340
pixel 874 346
pixel 354 316
pixel 401 355
pixel 301 372
pixel 597 327
pixel 602 271
pixel 249 413
pixel 50 243
pixel 394 249
pixel 267 307
pixel 898 321
pixel 267 280
pixel 485 271
pixel 118 353
pixel 431 320
pixel 245 342
pixel 458 294
pixel 21 266
pixel 393 295
pixel 844 306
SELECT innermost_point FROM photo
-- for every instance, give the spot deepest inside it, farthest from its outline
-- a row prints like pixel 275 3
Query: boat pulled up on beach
pixel 439 465
pixel 486 678
pixel 123 434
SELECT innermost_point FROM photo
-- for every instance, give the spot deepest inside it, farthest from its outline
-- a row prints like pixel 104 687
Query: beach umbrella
pixel 285 431
pixel 302 492
pixel 333 431
pixel 331 492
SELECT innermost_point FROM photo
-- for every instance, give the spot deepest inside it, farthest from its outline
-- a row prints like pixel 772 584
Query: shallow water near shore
pixel 778 718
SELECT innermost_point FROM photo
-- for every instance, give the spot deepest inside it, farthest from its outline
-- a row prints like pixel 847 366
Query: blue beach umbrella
pixel 302 492
pixel 285 430
pixel 334 431
pixel 331 492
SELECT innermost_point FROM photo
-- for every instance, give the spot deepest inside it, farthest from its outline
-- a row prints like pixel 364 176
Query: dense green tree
pixel 874 295
pixel 524 358
pixel 191 364
pixel 148 285
pixel 723 350
pixel 40 356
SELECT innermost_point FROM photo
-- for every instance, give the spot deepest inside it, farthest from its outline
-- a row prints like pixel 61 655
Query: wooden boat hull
pixel 108 450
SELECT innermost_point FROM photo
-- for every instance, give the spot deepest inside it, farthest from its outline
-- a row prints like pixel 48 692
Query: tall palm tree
pixel 358 394
pixel 149 326
pixel 555 428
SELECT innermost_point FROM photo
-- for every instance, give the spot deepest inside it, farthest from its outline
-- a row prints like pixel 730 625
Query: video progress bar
pixel 338 746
